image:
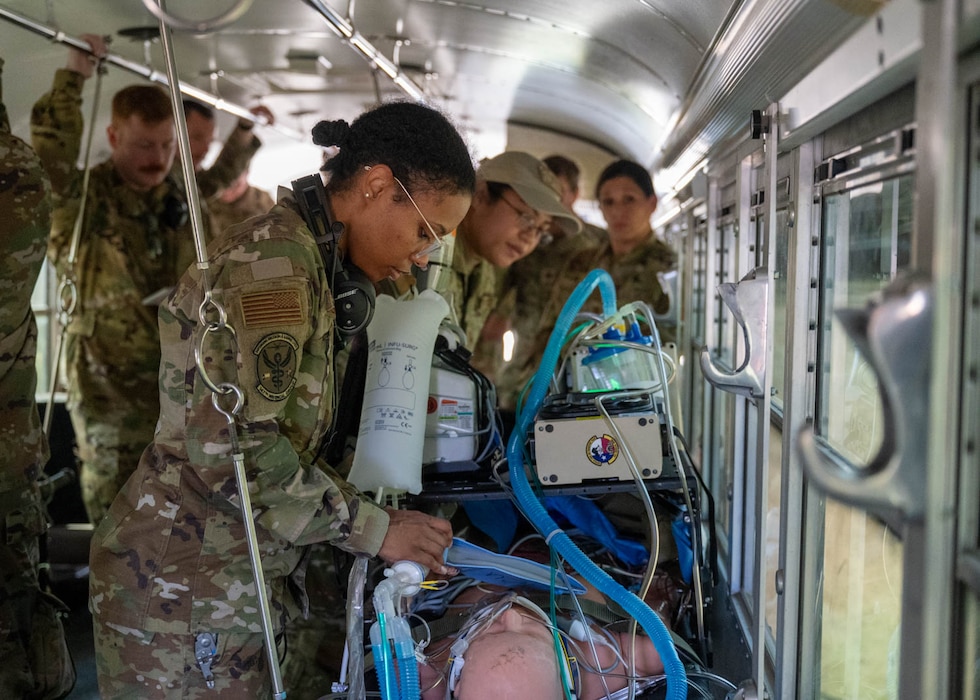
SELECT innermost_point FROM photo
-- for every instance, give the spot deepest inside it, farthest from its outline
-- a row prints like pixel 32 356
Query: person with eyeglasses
pixel 170 568
pixel 523 307
pixel 517 201
pixel 635 257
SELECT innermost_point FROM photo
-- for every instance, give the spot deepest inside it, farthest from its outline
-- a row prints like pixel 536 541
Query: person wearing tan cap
pixel 525 293
pixel 517 200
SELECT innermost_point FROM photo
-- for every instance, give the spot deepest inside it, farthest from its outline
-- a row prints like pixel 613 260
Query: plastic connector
pixel 407 575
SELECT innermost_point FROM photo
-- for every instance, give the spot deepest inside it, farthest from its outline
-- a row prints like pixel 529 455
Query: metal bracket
pixel 748 301
pixel 894 334
pixel 759 124
pixel 205 651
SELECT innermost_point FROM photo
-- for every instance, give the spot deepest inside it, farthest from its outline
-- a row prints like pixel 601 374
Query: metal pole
pixel 345 30
pixel 147 72
pixel 241 479
pixel 183 144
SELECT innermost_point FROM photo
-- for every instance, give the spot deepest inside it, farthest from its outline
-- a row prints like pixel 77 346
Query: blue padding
pixel 586 516
pixel 685 552
pixel 496 518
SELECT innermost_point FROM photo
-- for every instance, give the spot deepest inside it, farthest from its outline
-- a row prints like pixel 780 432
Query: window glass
pixel 866 237
pixel 866 240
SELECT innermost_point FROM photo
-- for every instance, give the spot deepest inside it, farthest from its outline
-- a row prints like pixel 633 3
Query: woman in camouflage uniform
pixel 170 561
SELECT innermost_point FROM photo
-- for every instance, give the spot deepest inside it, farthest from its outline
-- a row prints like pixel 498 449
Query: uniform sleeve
pixel 25 203
pixel 481 298
pixel 56 134
pixel 231 162
pixel 56 128
pixel 452 292
pixel 271 291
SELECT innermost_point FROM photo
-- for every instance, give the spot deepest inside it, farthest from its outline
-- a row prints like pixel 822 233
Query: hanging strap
pixel 68 287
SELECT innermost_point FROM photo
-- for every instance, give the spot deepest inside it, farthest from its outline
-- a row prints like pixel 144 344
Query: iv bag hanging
pixel 401 339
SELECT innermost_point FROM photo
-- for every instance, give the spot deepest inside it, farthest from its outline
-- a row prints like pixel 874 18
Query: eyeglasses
pixel 528 224
pixel 436 242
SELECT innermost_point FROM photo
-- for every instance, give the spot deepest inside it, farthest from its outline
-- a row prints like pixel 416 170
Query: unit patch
pixel 275 365
pixel 601 450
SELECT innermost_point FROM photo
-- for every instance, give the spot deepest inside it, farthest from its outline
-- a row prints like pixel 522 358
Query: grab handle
pixel 748 301
pixel 894 334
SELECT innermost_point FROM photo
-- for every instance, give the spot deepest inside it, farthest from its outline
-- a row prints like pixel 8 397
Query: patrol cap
pixel 534 182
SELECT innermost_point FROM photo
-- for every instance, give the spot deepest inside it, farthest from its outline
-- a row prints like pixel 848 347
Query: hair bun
pixel 331 133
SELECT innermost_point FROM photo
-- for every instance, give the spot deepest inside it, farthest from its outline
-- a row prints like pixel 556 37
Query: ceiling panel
pixel 618 74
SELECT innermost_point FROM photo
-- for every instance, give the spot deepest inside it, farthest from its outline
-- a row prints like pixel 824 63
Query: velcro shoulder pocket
pixel 273 322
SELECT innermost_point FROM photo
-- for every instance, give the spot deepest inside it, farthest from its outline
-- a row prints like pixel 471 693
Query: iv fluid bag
pixel 401 338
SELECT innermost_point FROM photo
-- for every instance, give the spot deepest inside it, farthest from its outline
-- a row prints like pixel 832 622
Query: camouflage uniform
pixel 133 244
pixel 170 560
pixel 32 643
pixel 471 290
pixel 234 157
pixel 525 297
pixel 252 203
pixel 634 274
pixel 635 278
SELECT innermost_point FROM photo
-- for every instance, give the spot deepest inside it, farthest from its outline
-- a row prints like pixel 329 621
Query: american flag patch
pixel 279 307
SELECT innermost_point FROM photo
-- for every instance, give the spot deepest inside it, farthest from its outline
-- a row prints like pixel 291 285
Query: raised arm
pixel 235 156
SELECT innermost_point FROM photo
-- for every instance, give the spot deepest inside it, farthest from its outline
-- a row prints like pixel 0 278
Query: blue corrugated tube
pixel 398 681
pixel 536 513
pixel 408 668
pixel 384 664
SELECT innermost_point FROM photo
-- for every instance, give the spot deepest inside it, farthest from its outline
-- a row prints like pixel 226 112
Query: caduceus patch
pixel 275 365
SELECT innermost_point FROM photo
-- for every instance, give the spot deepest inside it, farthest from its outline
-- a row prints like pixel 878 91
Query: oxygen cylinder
pixel 401 338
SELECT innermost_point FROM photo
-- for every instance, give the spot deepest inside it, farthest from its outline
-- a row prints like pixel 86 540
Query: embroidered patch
pixel 275 365
pixel 278 307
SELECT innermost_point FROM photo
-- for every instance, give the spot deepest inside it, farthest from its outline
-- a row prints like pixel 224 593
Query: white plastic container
pixel 401 338
pixel 450 426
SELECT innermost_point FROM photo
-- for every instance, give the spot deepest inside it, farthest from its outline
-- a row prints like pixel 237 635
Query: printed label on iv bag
pixel 401 338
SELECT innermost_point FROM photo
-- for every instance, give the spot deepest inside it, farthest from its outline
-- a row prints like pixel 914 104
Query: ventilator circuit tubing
pixel 536 513
pixel 398 681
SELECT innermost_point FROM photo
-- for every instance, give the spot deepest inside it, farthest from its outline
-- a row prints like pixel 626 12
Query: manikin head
pixel 507 652
pixel 514 660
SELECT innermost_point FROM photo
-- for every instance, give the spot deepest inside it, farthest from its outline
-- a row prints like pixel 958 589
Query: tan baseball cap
pixel 534 182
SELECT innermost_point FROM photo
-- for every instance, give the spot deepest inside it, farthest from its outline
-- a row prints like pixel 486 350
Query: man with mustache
pixel 135 243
